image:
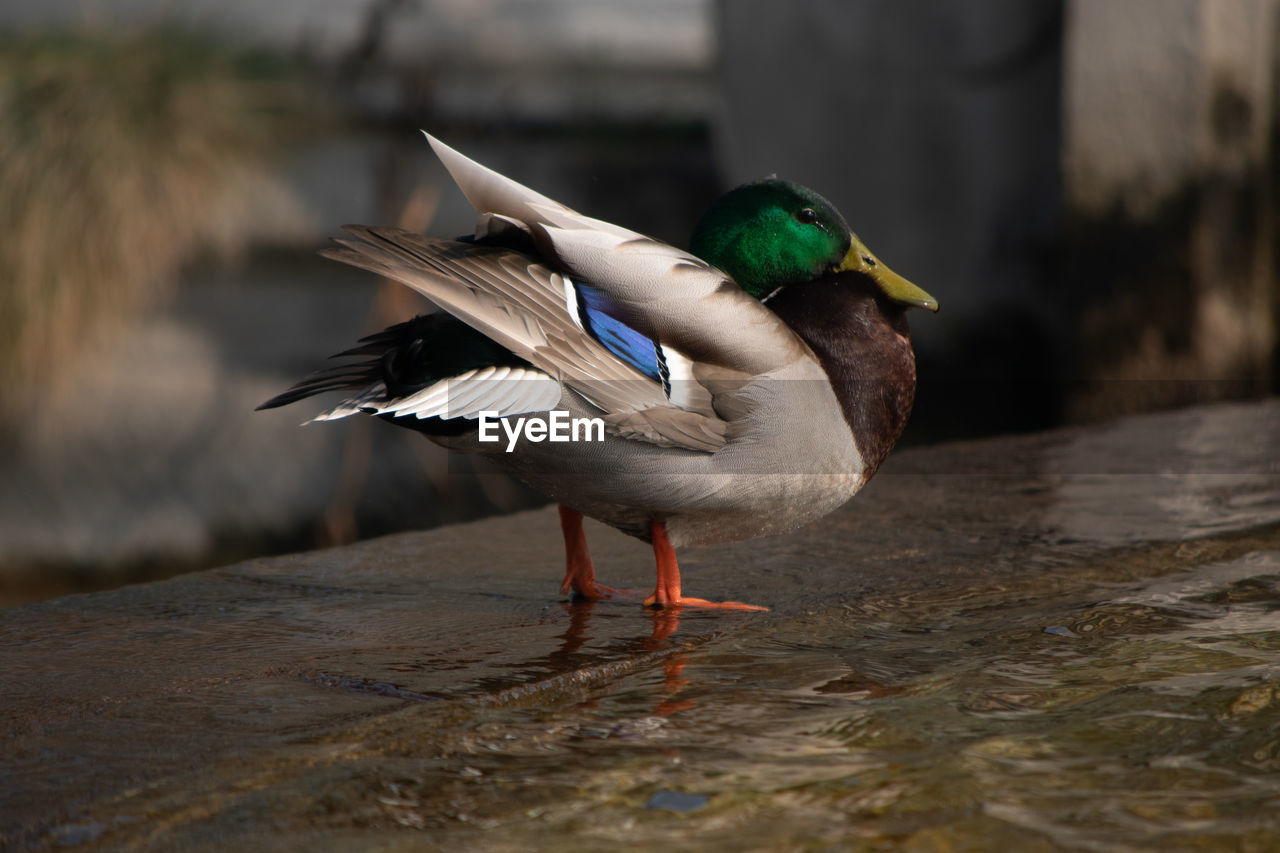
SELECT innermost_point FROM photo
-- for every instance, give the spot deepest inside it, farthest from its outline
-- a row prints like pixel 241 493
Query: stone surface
pixel 431 689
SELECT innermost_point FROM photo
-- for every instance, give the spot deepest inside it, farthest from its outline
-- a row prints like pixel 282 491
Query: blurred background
pixel 1089 187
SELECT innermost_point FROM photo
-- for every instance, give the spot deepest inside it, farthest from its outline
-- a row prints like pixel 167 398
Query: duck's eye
pixel 807 215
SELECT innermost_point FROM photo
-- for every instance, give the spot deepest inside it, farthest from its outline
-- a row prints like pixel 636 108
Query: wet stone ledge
pixel 1067 639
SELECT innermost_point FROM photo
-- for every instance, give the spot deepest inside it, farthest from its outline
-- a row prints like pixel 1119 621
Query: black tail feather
pixel 405 358
pixel 343 377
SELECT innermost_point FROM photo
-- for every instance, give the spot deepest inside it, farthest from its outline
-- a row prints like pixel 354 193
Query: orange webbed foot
pixel 652 601
pixel 667 592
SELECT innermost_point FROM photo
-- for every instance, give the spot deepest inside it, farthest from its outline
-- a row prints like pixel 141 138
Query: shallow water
pixel 1141 713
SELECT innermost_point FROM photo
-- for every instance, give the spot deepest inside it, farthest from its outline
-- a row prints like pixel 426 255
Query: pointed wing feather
pixel 353 405
pixel 502 390
pixel 488 191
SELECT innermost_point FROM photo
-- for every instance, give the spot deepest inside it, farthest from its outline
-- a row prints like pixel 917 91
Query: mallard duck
pixel 740 389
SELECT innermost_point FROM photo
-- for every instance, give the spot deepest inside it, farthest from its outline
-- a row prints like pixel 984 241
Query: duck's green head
pixel 771 234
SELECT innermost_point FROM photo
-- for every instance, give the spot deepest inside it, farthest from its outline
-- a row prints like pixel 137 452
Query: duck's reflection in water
pixel 656 643
pixel 665 624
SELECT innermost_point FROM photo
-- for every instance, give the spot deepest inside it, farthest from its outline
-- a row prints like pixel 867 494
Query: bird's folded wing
pixel 531 310
pixel 666 294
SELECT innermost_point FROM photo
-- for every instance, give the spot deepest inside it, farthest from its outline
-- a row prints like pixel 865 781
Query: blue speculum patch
pixel 616 336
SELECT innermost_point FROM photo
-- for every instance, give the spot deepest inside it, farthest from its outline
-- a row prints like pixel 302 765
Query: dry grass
pixel 121 158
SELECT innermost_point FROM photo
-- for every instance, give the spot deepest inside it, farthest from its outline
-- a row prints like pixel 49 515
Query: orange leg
pixel 580 573
pixel 667 592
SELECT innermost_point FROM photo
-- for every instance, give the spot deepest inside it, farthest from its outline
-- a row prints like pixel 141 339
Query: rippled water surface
pixel 1139 713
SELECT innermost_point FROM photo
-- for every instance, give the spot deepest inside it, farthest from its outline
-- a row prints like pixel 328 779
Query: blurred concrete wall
pixel 1087 186
pixel 1170 159
pixel 935 129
